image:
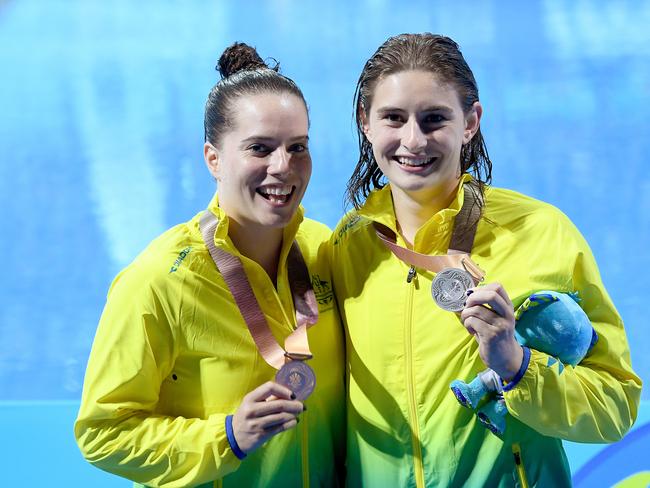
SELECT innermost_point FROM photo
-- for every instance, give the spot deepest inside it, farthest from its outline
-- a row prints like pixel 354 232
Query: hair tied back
pixel 240 57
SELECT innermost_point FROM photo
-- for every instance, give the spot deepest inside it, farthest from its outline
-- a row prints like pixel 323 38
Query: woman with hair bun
pixel 426 230
pixel 218 359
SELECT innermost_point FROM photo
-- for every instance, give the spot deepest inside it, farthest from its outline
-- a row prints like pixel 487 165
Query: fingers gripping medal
pixel 449 288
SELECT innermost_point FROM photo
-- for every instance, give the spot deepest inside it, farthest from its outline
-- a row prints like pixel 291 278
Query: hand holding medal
pixel 264 412
pixel 272 407
pixel 489 316
pixel 486 312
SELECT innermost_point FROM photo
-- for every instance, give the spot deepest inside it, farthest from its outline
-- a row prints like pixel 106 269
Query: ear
pixel 211 157
pixel 472 121
pixel 365 126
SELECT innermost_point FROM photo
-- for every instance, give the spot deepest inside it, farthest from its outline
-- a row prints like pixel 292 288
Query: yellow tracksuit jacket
pixel 173 356
pixel 405 428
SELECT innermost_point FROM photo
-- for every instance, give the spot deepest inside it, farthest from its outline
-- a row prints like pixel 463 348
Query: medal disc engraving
pixel 448 288
pixel 298 377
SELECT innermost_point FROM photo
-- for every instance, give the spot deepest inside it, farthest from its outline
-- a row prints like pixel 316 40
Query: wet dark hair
pixel 425 52
pixel 243 73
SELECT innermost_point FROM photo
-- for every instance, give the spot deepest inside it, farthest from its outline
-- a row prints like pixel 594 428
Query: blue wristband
pixel 520 373
pixel 231 439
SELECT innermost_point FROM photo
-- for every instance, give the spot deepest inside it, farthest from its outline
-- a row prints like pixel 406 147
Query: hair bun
pixel 239 57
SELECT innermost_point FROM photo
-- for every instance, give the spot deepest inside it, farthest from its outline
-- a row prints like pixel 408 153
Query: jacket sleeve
pixel 596 401
pixel 118 428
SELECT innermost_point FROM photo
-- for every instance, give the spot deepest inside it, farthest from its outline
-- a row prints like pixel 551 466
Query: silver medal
pixel 449 288
pixel 298 377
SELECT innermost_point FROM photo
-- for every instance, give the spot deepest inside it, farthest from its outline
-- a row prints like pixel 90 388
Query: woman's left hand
pixel 489 316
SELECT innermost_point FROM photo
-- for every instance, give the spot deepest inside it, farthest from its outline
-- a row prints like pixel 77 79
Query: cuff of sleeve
pixel 231 439
pixel 522 370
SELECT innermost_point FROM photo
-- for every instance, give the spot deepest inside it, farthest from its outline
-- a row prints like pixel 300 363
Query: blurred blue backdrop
pixel 101 112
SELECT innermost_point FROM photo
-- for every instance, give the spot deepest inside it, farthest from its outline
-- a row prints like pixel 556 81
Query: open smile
pixel 414 164
pixel 276 194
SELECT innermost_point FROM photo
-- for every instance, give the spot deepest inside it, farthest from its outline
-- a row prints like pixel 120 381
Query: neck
pixel 261 244
pixel 413 209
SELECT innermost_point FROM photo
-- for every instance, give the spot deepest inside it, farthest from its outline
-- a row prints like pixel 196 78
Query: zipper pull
pixel 411 274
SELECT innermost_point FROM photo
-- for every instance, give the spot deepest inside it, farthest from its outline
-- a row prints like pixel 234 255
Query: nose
pixel 280 162
pixel 413 139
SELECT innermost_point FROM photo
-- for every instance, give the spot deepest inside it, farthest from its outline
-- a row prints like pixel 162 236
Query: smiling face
pixel 417 128
pixel 262 164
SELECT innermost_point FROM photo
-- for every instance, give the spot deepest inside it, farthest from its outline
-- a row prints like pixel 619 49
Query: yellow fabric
pixel 405 428
pixel 173 356
pixel 638 480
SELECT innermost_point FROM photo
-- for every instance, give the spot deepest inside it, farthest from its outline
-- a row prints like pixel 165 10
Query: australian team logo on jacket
pixel 323 292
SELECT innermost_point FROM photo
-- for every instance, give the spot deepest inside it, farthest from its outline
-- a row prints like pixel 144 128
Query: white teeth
pixel 276 190
pixel 413 161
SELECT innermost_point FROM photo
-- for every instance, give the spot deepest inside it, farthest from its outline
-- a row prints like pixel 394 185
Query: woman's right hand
pixel 264 412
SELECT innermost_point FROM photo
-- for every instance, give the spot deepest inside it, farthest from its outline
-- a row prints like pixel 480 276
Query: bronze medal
pixel 298 377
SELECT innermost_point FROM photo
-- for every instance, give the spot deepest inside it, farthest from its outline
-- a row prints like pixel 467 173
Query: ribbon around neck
pixel 460 246
pixel 296 345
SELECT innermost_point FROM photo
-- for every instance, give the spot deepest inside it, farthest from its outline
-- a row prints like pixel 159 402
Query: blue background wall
pixel 101 109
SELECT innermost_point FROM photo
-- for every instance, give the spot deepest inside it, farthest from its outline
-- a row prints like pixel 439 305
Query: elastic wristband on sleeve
pixel 520 373
pixel 231 439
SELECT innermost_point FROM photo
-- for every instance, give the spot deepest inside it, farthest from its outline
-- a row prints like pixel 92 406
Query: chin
pixel 431 182
pixel 413 186
pixel 276 221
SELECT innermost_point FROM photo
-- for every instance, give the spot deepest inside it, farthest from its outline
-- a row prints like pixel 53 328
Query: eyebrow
pixel 434 108
pixel 271 139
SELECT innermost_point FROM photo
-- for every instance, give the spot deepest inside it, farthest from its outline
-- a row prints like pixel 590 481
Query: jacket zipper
pixel 519 466
pixel 415 425
pixel 304 447
pixel 411 275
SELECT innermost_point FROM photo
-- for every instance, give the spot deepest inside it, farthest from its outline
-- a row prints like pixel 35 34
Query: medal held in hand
pixel 449 288
pixel 298 377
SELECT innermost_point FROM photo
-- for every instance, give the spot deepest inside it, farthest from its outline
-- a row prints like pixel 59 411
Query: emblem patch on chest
pixel 323 291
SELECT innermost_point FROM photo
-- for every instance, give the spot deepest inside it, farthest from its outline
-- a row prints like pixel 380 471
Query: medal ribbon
pixel 296 345
pixel 460 246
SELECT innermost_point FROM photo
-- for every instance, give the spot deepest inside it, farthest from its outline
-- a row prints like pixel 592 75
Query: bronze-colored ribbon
pixel 460 246
pixel 296 345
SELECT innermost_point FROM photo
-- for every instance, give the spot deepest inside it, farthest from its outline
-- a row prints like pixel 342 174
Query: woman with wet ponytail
pixel 218 358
